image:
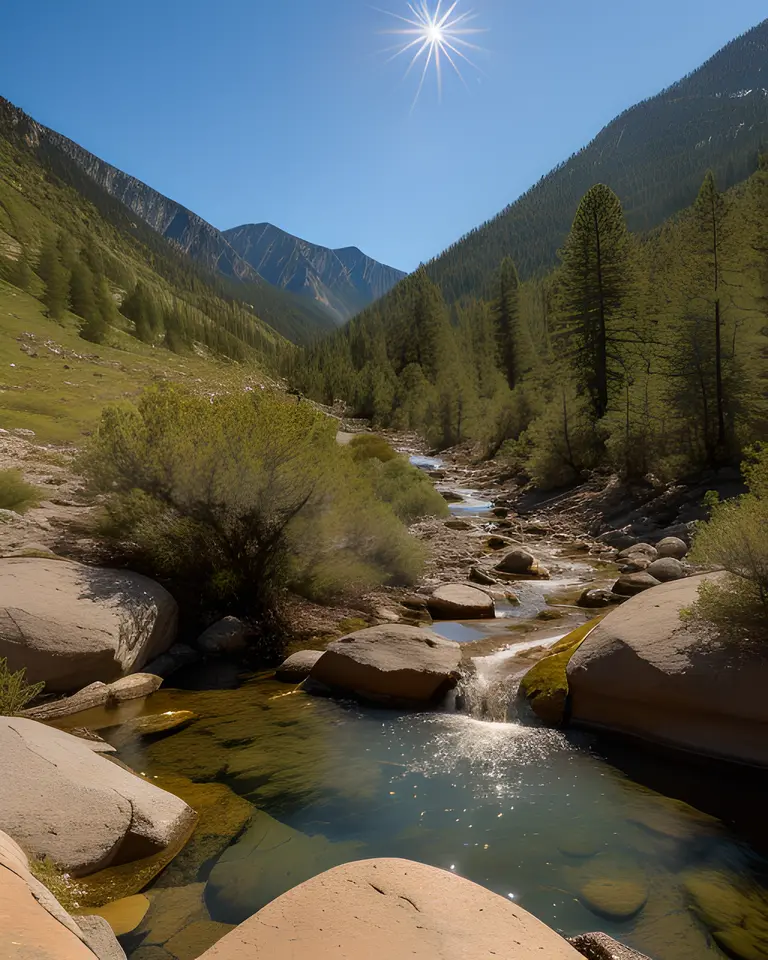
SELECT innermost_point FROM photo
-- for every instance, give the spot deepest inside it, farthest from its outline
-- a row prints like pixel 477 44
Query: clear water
pixel 523 810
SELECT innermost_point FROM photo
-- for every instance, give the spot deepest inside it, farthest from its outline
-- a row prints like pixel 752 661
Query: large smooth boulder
pixel 387 910
pixel 63 801
pixel 391 664
pixel 71 625
pixel 645 550
pixel 458 601
pixel 519 564
pixel 667 569
pixel 34 925
pixel 267 860
pixel 646 672
pixel 672 547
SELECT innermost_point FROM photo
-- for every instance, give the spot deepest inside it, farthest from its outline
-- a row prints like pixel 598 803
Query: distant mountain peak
pixel 344 280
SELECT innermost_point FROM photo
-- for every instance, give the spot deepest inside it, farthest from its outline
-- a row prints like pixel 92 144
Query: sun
pixel 435 35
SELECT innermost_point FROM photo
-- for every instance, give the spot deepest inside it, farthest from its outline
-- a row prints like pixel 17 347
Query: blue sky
pixel 248 110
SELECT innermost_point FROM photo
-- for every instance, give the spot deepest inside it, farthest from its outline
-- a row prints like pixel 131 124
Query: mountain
pixel 654 156
pixel 345 281
pixel 294 317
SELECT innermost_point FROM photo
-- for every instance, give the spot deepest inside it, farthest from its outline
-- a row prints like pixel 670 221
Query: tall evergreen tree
pixel 595 288
pixel 21 273
pixel 513 338
pixel 52 272
pixel 81 298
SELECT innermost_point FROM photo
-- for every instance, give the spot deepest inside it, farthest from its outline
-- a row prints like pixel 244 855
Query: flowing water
pixel 542 817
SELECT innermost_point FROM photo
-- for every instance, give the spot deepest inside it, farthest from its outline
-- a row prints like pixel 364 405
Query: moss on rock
pixel 545 686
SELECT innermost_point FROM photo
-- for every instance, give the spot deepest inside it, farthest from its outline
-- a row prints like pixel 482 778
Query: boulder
pixel 672 547
pixel 33 924
pixel 125 915
pixel 134 687
pixel 597 599
pixel 630 584
pixel 613 887
pixel 176 658
pixel 458 601
pixel 63 801
pixel 645 550
pixel 387 909
pixel 517 561
pixel 227 638
pixel 733 908
pixel 636 565
pixel 99 936
pixel 391 664
pixel 298 666
pixel 267 860
pixel 71 625
pixel 667 569
pixel 152 725
pixel 459 524
pixel 498 543
pixel 647 673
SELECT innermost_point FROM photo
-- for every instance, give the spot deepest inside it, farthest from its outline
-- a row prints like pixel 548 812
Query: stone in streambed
pixel 227 638
pixel 519 563
pixel 734 910
pixel 612 887
pixel 597 599
pixel 637 550
pixel 390 664
pixel 459 524
pixel 478 575
pixel 672 547
pixel 458 601
pixel 298 666
pixel 67 803
pixel 200 935
pixel 667 569
pixel 155 725
pixel 630 584
pixel 124 916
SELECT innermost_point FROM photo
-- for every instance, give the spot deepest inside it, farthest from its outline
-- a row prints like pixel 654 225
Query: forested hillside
pixel 653 157
pixel 180 243
pixel 80 250
pixel 641 354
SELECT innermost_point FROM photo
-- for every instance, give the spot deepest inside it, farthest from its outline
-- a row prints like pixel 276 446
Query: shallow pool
pixel 535 815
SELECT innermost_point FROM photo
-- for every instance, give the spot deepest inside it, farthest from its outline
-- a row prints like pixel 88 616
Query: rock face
pixel 298 666
pixel 267 860
pixel 71 625
pixel 387 909
pixel 457 601
pixel 390 664
pixel 645 672
pixel 63 801
pixel 34 926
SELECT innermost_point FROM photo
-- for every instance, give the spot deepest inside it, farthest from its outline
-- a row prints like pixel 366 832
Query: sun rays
pixel 434 37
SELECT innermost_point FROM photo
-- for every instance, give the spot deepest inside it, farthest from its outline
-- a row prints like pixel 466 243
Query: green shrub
pixel 15 692
pixel 367 446
pixel 736 539
pixel 15 493
pixel 236 499
pixel 407 490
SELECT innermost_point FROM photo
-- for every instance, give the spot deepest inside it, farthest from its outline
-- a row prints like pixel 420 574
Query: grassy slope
pixel 60 392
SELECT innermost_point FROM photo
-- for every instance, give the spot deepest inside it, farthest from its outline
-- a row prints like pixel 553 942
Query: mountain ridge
pixel 343 279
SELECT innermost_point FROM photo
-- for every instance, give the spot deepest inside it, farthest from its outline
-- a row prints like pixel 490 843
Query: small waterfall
pixel 486 692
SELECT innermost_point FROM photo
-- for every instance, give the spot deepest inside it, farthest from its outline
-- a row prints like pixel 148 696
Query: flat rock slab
pixel 391 664
pixel 71 625
pixel 648 673
pixel 458 601
pixel 61 800
pixel 387 910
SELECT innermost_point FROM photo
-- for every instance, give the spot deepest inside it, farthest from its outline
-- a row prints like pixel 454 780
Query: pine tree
pixel 512 335
pixel 81 298
pixel 21 273
pixel 56 278
pixel 595 288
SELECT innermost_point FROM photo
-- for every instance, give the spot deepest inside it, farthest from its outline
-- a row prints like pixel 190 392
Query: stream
pixel 535 814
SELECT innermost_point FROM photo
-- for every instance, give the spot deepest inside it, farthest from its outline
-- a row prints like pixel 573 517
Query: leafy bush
pixel 15 493
pixel 367 446
pixel 408 491
pixel 15 692
pixel 736 538
pixel 238 498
